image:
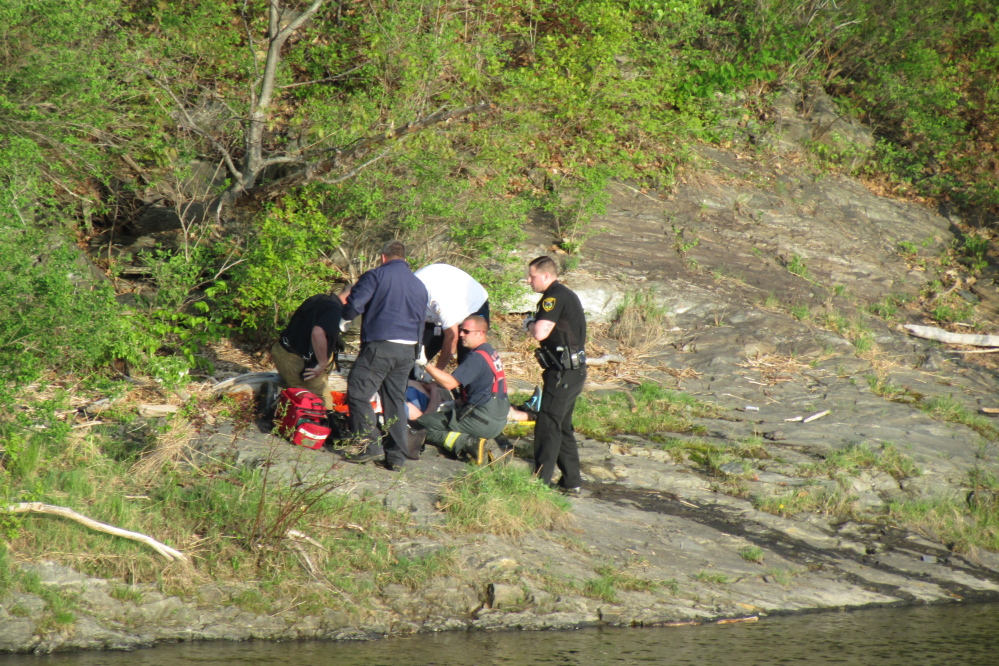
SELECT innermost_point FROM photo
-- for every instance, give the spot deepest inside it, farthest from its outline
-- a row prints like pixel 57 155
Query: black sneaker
pixel 503 443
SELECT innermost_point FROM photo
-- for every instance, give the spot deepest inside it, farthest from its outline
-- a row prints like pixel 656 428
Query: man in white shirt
pixel 454 296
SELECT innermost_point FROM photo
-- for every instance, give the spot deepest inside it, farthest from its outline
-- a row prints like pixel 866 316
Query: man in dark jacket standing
pixel 559 326
pixel 393 302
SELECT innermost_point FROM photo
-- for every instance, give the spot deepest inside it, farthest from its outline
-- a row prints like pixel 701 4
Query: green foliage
pixel 64 316
pixel 752 554
pixel 287 261
pixel 975 247
pixel 7 571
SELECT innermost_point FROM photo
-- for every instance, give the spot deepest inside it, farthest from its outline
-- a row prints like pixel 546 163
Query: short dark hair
pixel 544 264
pixel 394 248
pixel 479 320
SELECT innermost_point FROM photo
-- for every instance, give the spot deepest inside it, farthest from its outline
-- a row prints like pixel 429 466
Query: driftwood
pixel 37 507
pixel 257 382
pixel 252 379
pixel 151 411
pixel 940 335
pixel 605 359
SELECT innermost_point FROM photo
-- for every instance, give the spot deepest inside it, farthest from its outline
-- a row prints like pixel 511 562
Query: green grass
pixel 59 605
pixel 887 307
pixel 713 578
pixel 640 319
pixel 611 579
pixel 797 266
pixel 946 408
pixel 961 523
pixel 864 343
pixel 752 554
pixel 952 309
pixel 653 409
pixel 857 457
pixel 710 456
pixel 780 574
pixel 230 521
pixel 810 499
pixel 501 499
pixel 800 312
pixel 126 593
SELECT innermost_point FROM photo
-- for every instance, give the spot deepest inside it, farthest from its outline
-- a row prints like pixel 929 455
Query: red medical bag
pixel 300 417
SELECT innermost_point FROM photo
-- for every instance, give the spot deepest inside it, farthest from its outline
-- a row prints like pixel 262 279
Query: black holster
pixel 563 358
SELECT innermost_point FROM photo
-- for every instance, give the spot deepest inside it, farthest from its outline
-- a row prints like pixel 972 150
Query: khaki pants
pixel 290 367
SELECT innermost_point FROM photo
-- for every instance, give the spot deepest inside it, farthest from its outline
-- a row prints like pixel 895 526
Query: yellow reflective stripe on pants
pixel 450 440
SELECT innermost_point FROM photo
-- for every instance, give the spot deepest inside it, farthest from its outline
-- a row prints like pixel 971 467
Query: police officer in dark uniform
pixel 559 326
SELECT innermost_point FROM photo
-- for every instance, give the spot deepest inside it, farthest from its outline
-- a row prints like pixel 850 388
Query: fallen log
pixel 152 411
pixel 605 359
pixel 37 507
pixel 940 335
pixel 253 379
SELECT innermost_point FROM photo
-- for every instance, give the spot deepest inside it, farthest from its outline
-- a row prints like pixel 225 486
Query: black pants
pixel 381 367
pixel 554 436
pixel 433 343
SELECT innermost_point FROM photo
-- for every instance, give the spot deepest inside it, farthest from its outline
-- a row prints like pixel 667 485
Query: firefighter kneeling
pixel 481 413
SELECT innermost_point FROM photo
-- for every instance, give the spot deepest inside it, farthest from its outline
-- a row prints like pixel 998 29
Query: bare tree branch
pixel 193 126
pixel 335 77
pixel 336 157
pixel 37 507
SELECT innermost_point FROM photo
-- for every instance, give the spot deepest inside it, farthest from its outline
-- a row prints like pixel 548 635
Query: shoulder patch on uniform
pixel 548 304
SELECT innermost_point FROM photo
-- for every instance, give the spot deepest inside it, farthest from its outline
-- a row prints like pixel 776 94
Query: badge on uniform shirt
pixel 548 304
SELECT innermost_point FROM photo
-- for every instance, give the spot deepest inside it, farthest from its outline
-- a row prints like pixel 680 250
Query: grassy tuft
pixel 815 499
pixel 861 456
pixel 752 554
pixel 611 579
pixel 962 524
pixel 501 499
pixel 651 409
pixel 780 574
pixel 946 408
pixel 714 578
pixel 640 320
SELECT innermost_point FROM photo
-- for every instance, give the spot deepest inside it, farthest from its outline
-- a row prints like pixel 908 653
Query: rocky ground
pixel 769 347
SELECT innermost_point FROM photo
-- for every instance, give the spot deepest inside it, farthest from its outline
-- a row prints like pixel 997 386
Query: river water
pixel 953 635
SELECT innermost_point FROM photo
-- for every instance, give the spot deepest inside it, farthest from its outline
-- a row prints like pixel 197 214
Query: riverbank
pixel 815 456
